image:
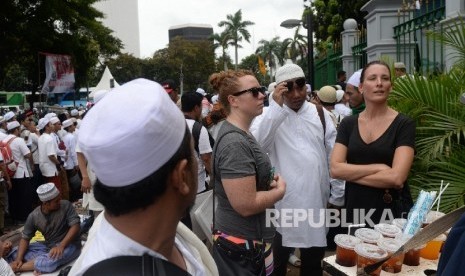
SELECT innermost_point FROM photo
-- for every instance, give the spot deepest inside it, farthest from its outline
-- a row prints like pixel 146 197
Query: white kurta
pixel 294 142
pixel 105 242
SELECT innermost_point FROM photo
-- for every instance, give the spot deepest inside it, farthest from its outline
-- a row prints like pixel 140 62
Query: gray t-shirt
pixel 53 226
pixel 238 155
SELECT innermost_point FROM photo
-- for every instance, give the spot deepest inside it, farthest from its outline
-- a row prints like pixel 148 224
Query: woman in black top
pixel 374 151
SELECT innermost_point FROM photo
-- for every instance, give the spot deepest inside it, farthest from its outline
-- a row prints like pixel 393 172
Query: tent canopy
pixel 107 82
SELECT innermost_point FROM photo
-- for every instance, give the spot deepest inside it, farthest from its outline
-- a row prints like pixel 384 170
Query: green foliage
pixel 271 50
pixel 222 40
pixel 440 141
pixel 295 47
pixel 236 30
pixel 250 62
pixel 194 59
pixel 53 26
pixel 329 16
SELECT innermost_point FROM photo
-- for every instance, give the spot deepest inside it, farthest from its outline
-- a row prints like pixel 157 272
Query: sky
pixel 266 14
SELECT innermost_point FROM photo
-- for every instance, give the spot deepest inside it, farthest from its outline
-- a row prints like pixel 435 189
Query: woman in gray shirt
pixel 245 185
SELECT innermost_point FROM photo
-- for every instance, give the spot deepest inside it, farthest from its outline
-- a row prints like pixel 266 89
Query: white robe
pixel 105 242
pixel 294 142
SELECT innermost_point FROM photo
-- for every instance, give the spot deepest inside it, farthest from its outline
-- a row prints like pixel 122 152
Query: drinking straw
pixel 355 225
pixel 439 196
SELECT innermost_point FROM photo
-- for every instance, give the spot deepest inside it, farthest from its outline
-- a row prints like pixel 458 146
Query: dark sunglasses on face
pixel 253 90
pixel 300 82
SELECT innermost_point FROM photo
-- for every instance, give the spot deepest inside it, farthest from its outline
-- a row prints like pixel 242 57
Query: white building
pixel 125 18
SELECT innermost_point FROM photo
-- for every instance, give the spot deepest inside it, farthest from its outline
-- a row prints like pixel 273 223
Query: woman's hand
pixel 279 185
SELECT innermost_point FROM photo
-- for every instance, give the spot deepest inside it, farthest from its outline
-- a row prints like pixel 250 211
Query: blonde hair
pixel 227 83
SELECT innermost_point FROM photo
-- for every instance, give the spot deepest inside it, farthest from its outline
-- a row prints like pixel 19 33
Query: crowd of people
pixel 257 149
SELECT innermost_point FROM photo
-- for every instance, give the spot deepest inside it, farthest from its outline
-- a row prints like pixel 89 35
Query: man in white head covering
pixel 147 180
pixel 59 223
pixel 356 101
pixel 22 191
pixel 48 159
pixel 206 106
pixel 71 163
pixel 299 146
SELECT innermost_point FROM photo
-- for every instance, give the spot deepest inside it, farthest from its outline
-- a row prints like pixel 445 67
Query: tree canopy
pixel 236 29
pixel 329 16
pixel 28 27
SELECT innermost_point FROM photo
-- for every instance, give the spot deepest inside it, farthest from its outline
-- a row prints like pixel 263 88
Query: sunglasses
pixel 253 90
pixel 300 82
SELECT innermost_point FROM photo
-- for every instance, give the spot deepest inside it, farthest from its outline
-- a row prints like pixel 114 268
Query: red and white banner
pixel 59 73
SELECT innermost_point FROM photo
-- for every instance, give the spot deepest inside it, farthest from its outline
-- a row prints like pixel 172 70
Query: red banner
pixel 59 74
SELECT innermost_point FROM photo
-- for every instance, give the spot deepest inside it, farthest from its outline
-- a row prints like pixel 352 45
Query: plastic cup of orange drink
pixel 432 248
pixel 394 264
pixel 368 254
pixel 345 254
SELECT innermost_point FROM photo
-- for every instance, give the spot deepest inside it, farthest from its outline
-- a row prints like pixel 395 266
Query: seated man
pixel 59 223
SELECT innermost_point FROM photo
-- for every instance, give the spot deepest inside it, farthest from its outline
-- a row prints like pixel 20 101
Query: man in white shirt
pixel 71 163
pixel 146 180
pixel 21 195
pixel 48 161
pixel 191 106
pixel 291 132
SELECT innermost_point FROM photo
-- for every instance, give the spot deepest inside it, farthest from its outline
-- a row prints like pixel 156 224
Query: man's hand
pixel 85 185
pixel 8 185
pixel 16 265
pixel 56 252
pixel 278 94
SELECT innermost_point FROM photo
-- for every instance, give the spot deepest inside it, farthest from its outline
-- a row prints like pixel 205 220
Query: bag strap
pixel 11 140
pixel 321 114
pixel 145 265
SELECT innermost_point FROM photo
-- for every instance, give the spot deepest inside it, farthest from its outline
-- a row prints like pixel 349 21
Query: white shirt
pixel 105 242
pixel 204 147
pixel 88 199
pixel 294 142
pixel 47 147
pixel 70 143
pixel 5 269
pixel 19 149
pixel 342 109
pixel 34 142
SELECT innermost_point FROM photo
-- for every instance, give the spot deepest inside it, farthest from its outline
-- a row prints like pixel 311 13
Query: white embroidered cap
pixel 74 112
pixel 42 123
pixel 67 123
pixel 8 116
pixel 12 125
pixel 99 95
pixel 54 120
pixel 288 72
pixel 47 191
pixel 355 78
pixel 339 95
pixel 124 149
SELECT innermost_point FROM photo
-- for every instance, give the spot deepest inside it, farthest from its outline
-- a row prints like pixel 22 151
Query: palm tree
pixel 295 47
pixel 269 49
pixel 222 40
pixel 236 28
pixel 440 141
